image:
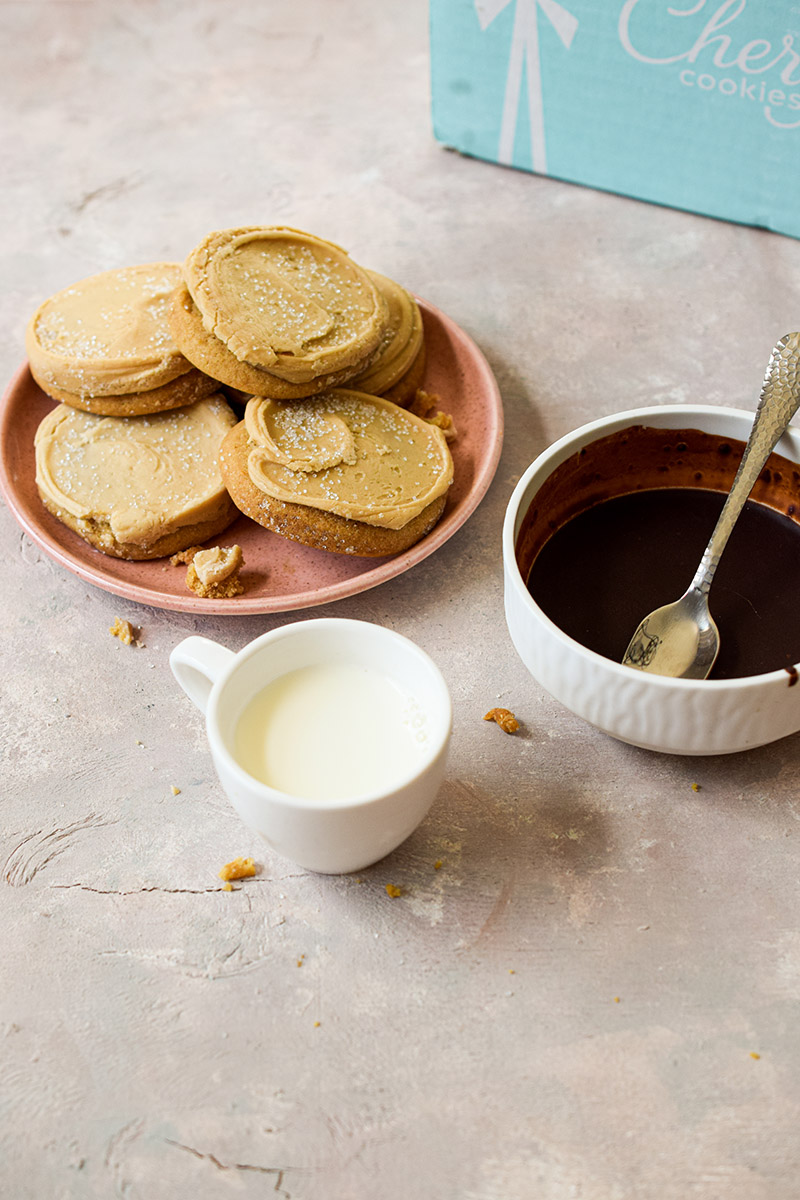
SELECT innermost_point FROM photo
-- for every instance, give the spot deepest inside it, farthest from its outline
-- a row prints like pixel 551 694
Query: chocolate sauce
pixel 607 567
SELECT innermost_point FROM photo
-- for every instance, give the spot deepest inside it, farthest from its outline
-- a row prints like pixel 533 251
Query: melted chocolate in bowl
pixel 619 529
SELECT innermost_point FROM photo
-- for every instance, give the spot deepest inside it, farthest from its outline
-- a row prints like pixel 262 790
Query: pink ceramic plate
pixel 279 575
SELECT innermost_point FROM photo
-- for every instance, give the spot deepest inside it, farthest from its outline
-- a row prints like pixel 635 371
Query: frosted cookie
pixel 345 472
pixel 242 379
pixel 285 301
pixel 109 336
pixel 398 366
pixel 186 389
pixel 136 487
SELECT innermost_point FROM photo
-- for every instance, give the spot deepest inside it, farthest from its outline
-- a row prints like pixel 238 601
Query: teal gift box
pixel 693 104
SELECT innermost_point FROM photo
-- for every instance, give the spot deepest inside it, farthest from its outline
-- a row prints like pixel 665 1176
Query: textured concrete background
pixel 572 1005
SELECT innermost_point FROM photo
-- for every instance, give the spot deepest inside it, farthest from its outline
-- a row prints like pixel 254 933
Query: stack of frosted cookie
pixel 329 353
pixel 104 345
pixel 270 311
pixel 129 457
pixel 144 457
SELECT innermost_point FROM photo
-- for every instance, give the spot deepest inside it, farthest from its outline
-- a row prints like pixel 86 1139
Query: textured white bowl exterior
pixel 673 716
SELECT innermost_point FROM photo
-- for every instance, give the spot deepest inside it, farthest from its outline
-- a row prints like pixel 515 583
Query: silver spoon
pixel 681 639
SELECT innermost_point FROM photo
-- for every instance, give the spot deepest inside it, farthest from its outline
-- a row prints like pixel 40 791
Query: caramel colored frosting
pixel 347 453
pixel 285 301
pixel 401 340
pixel 109 334
pixel 142 476
pixel 217 564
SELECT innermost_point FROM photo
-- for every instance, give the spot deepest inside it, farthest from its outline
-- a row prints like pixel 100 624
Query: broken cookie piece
pixel 214 574
pixel 184 557
pixel 124 631
pixel 424 405
pixel 239 868
pixel 444 422
pixel 504 718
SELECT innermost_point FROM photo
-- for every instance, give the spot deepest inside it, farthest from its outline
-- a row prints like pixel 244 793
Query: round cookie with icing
pixel 137 487
pixel 104 344
pixel 398 367
pixel 346 471
pixel 213 358
pixel 186 389
pixel 286 302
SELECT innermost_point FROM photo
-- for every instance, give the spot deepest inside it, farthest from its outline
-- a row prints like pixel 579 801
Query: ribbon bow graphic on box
pixel 525 50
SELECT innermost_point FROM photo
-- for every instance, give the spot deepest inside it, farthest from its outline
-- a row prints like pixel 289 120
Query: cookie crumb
pixel 124 631
pixel 393 890
pixel 214 574
pixel 183 557
pixel 695 787
pixel 423 403
pixel 317 1024
pixel 227 887
pixel 176 791
pixel 444 422
pixel 504 718
pixel 240 868
pixel 437 866
pixel 754 1054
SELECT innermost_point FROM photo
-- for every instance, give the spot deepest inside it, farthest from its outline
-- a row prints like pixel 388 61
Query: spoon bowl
pixel 682 635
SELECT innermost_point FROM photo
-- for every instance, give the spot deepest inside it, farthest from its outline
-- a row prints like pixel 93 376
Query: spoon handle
pixel 780 399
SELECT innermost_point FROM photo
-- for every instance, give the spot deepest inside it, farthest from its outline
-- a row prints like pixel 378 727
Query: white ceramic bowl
pixel 675 716
pixel 331 836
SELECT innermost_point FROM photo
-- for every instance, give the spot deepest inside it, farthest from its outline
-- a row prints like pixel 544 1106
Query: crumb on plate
pixel 393 890
pixel 444 421
pixel 214 574
pixel 423 403
pixel 183 557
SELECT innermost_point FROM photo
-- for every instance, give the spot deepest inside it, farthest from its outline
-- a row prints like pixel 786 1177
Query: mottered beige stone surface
pixel 595 994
